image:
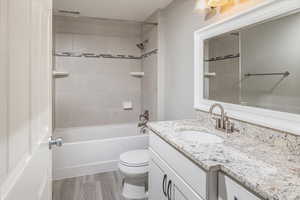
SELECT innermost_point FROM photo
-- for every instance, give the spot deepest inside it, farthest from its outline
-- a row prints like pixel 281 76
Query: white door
pixel 25 99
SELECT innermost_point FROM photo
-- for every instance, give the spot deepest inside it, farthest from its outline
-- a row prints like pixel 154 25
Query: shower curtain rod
pixel 107 19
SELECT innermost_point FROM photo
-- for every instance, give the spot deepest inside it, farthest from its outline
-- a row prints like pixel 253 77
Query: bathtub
pixel 91 150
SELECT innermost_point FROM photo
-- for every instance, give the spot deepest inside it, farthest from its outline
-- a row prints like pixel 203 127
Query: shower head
pixel 141 46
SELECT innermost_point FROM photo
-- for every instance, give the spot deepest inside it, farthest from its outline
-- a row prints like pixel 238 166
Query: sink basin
pixel 199 137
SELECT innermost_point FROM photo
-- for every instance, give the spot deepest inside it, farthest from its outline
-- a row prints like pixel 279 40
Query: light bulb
pixel 217 3
pixel 200 5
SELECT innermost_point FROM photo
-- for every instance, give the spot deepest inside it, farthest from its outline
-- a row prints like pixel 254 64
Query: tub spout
pixel 143 119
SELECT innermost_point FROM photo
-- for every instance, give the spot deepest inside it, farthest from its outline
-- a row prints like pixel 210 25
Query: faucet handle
pixel 229 126
pixel 218 122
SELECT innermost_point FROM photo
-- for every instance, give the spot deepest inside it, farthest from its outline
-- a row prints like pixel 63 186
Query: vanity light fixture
pixel 204 4
pixel 217 3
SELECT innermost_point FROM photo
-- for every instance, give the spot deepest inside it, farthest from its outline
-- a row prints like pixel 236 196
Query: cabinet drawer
pixel 193 175
pixel 230 190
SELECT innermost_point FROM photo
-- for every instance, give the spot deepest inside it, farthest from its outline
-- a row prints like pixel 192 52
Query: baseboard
pixel 87 169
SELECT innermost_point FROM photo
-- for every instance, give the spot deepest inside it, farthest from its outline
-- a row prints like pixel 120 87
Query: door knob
pixel 55 141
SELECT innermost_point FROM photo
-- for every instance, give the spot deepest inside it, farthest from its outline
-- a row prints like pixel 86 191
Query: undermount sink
pixel 199 137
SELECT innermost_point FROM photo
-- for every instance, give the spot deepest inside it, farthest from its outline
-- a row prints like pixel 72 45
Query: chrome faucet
pixel 223 123
pixel 143 120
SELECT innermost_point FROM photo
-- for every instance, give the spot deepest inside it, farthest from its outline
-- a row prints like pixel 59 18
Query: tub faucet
pixel 143 119
pixel 223 123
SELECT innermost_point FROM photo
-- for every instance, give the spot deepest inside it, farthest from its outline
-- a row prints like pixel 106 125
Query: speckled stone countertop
pixel 269 169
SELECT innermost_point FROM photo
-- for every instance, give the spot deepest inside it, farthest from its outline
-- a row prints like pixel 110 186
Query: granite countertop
pixel 268 169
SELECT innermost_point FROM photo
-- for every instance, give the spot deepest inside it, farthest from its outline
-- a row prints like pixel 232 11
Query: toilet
pixel 134 167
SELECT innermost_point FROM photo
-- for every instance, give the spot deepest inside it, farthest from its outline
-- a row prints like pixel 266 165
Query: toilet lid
pixel 135 158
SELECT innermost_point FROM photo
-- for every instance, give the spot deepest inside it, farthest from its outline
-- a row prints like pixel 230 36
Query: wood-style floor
pixel 105 186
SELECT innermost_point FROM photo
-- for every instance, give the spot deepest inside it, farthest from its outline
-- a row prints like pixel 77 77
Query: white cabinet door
pixel 188 171
pixel 157 182
pixel 25 97
pixel 178 195
pixel 174 186
pixel 230 190
pixel 181 190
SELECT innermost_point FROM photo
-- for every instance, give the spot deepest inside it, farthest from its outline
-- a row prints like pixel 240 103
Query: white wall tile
pixel 225 86
pixel 149 66
pixel 149 86
pixel 63 42
pixel 96 87
pixel 85 26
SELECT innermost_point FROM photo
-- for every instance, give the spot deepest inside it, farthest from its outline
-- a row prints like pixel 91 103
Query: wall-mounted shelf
pixel 209 74
pixel 57 74
pixel 137 74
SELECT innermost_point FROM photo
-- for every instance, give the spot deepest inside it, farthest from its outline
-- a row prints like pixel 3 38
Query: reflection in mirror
pixel 256 66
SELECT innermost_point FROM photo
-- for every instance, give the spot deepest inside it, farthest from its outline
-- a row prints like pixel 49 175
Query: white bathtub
pixel 91 150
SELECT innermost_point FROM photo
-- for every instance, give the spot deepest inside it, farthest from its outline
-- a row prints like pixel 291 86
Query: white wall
pixel 179 23
pixel 94 91
pixel 272 47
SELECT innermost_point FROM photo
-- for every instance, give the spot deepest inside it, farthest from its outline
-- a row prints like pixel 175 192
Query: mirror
pixel 256 66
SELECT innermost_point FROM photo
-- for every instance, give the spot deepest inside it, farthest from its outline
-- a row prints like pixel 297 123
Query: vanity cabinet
pixel 228 189
pixel 172 176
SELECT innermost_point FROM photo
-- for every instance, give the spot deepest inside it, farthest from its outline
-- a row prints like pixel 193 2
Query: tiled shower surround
pixel 94 92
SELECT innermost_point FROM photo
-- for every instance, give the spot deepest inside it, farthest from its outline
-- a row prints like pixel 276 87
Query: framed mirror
pixel 250 63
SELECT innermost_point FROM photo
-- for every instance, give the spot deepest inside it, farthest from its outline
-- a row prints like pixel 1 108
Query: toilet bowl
pixel 134 166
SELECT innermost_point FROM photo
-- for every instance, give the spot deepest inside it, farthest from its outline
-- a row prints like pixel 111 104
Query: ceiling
pixel 136 10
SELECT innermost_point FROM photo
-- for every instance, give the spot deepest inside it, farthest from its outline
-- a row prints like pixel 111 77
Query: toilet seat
pixel 137 158
pixel 134 163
